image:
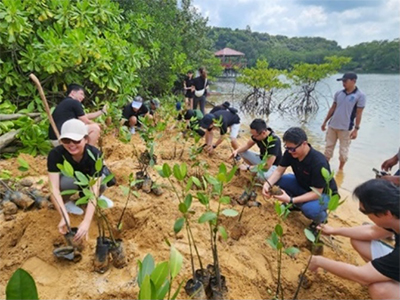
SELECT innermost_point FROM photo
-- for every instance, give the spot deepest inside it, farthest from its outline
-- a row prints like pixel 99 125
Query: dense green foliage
pixel 283 52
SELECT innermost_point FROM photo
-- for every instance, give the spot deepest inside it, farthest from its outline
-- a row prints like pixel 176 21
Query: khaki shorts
pixel 332 135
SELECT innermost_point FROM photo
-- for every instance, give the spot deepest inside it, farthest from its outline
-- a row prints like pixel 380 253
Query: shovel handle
pixel 44 100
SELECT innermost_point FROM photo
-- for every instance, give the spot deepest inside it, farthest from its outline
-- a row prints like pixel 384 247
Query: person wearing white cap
pixel 75 149
pixel 133 111
pixel 71 108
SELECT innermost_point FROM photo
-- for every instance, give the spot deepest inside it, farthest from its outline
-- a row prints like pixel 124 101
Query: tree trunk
pixel 6 117
pixel 7 138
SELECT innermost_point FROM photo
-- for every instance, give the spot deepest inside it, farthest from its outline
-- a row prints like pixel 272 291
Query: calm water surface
pixel 378 138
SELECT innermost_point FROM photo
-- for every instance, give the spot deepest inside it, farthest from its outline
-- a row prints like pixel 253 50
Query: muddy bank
pixel 247 262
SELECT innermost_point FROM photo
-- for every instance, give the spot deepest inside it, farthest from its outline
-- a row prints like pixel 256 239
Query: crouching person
pixel 75 149
pixel 306 163
pixel 133 111
pixel 268 143
pixel 379 200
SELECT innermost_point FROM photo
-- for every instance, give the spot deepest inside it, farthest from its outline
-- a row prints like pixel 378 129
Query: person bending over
pixel 379 200
pixel 387 166
pixel 133 111
pixel 268 143
pixel 306 164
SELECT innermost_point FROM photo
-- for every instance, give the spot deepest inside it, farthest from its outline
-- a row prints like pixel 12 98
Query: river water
pixel 378 138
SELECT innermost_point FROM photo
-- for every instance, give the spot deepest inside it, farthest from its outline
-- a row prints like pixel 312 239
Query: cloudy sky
pixel 348 22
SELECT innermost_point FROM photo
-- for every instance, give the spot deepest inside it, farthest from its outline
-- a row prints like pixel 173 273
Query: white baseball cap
pixel 137 102
pixel 73 129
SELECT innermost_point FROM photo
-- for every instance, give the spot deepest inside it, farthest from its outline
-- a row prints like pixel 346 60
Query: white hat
pixel 74 129
pixel 137 102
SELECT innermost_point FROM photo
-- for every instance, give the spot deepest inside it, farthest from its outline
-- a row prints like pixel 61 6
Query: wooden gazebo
pixel 231 60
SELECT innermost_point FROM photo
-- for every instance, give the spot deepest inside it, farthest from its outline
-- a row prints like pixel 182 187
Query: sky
pixel 349 22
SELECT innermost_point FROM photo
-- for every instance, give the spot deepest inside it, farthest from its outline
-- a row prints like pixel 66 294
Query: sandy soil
pixel 248 263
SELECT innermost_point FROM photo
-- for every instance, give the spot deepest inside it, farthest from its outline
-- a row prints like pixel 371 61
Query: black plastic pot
pixel 102 259
pixel 147 183
pixel 216 292
pixel 67 253
pixel 139 176
pixel 118 254
pixel 195 289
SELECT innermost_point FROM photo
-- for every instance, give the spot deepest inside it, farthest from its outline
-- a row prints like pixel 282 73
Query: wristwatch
pixel 291 200
pixel 356 127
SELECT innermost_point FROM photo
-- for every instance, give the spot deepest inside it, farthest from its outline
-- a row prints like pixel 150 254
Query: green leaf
pixel 175 262
pixel 21 286
pixel 160 274
pixel 203 198
pixel 222 169
pixel 125 190
pixel 279 245
pixel 68 192
pixel 196 181
pixel 98 165
pixel 188 200
pixel 177 291
pixel 229 212
pixel 82 179
pixel 231 174
pixel 68 169
pixel 107 179
pixel 91 155
pixel 333 202
pixel 182 208
pixel 102 203
pixel 278 208
pixel 177 172
pixel 291 251
pixel 325 173
pixel 145 268
pixel 166 170
pixel 315 191
pixel 145 288
pixel 160 293
pixel 271 243
pixel 179 225
pixel 207 216
pixel 310 236
pixel 189 185
pixel 23 164
pixel 223 232
pixel 279 230
pixel 225 200
pixel 183 169
pixel 83 200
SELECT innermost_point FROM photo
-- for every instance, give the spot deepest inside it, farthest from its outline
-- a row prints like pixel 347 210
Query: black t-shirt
pixel 228 119
pixel 308 171
pixel 189 83
pixel 273 147
pixel 199 83
pixel 86 165
pixel 128 111
pixel 388 265
pixel 67 109
pixel 217 108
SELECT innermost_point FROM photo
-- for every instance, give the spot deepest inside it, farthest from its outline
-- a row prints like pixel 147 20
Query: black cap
pixel 207 120
pixel 189 114
pixel 349 75
pixel 226 104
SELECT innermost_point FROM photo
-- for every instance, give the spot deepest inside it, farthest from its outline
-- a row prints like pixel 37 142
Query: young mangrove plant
pixel 215 188
pixel 155 281
pixel 276 241
pixel 194 287
pixel 314 236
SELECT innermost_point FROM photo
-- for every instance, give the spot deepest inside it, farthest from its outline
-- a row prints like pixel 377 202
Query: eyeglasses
pixel 67 141
pixel 293 149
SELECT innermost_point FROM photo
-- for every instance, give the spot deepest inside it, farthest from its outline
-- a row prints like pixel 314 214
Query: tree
pixel 264 81
pixel 306 77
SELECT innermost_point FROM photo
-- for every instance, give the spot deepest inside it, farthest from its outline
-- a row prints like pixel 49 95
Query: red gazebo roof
pixel 228 52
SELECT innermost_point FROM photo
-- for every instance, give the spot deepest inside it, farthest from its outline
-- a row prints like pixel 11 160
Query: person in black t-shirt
pixel 379 200
pixel 71 108
pixel 189 93
pixel 226 119
pixel 306 163
pixel 199 87
pixel 133 111
pixel 223 106
pixel 268 143
pixel 74 149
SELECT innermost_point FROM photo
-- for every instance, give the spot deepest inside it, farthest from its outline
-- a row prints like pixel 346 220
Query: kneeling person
pixel 306 163
pixel 133 111
pixel 269 144
pixel 74 148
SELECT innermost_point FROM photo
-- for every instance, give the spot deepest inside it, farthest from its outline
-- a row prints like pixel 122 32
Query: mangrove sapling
pixel 333 204
pixel 90 187
pixel 276 241
pixel 185 201
pixel 213 218
pixel 155 281
pixel 127 193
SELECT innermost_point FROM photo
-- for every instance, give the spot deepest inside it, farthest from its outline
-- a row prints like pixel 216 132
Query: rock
pixel 9 208
pixel 26 182
pixel 9 217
